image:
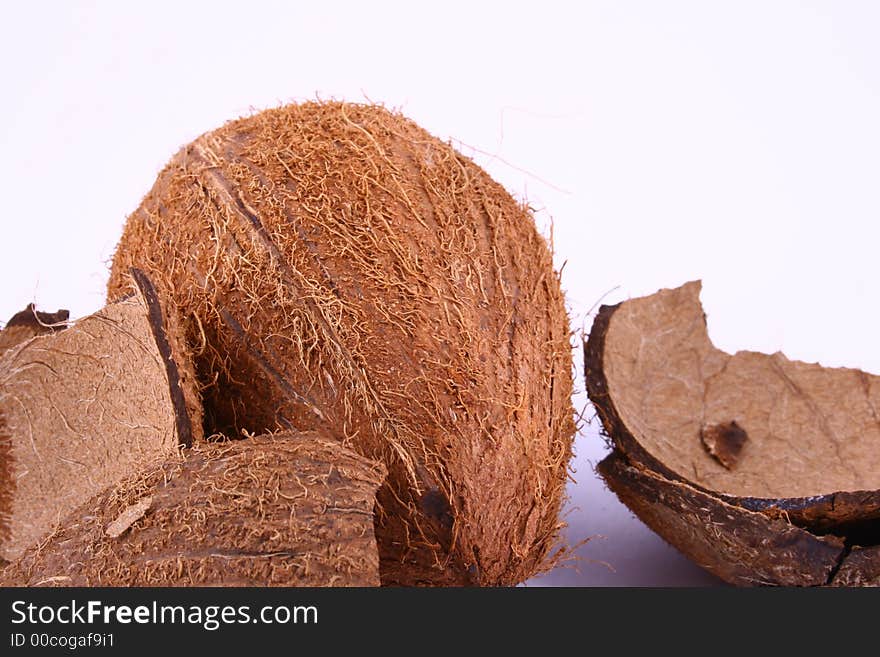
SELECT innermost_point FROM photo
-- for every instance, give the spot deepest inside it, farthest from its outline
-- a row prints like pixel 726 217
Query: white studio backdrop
pixel 736 142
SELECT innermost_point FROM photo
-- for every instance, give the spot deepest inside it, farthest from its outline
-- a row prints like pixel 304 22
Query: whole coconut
pixel 340 268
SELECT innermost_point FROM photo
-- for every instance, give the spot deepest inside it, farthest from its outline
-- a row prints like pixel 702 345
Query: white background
pixel 737 142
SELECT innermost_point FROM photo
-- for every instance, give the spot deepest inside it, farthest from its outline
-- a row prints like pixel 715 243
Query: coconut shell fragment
pixel 83 407
pixel 340 268
pixel 724 441
pixel 278 510
pixel 28 323
pixel 740 546
pixel 725 454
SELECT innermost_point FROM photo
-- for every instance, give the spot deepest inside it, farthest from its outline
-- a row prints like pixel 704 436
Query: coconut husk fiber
pixel 762 469
pixel 28 323
pixel 342 268
pixel 83 407
pixel 283 510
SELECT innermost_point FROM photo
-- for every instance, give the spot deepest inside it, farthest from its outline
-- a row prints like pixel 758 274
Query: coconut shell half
pixel 343 269
pixel 764 443
pixel 83 407
pixel 278 510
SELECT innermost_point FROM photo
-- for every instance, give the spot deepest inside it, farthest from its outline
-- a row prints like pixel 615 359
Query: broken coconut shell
pixel 83 407
pixel 740 546
pixel 28 323
pixel 344 269
pixel 281 510
pixel 755 445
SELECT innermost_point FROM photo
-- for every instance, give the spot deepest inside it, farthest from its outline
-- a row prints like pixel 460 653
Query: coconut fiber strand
pixel 339 267
pixel 83 407
pixel 762 469
pixel 288 510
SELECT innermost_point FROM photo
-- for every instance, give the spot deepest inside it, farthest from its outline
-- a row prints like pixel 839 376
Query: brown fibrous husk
pixel 276 510
pixel 336 266
pixel 84 406
pixel 761 469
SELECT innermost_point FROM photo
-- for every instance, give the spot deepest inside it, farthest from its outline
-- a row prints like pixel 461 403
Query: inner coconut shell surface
pixel 84 406
pixel 343 269
pixel 807 437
